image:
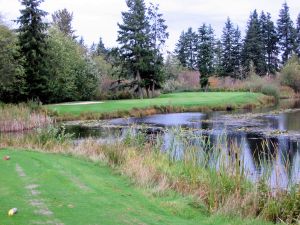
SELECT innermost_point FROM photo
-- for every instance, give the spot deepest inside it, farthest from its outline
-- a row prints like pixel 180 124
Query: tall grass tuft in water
pixel 22 117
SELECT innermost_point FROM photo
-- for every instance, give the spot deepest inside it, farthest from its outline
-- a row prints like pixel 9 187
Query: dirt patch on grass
pixel 20 171
pixel 39 205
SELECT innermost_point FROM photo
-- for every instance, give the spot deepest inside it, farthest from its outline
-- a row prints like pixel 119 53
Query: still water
pixel 262 137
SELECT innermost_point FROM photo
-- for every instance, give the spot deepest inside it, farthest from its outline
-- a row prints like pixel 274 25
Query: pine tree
pixel 298 35
pixel 286 34
pixel 218 58
pixel 227 41
pixel 158 36
pixel 63 20
pixel 180 50
pixel 205 54
pixel 101 49
pixel 191 40
pixel 236 53
pixel 186 49
pixel 253 49
pixel 270 40
pixel 32 39
pixel 135 41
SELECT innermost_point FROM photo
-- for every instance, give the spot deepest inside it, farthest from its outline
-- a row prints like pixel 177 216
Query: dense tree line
pixel 233 56
pixel 49 63
pixel 44 62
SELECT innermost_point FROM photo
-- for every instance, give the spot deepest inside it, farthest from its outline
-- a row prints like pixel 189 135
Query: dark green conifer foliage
pixel 32 40
pixel 180 50
pixel 218 58
pixel 101 49
pixel 205 56
pixel 186 49
pixel 158 36
pixel 227 41
pixel 63 20
pixel 135 41
pixel 298 35
pixel 270 40
pixel 253 49
pixel 286 34
pixel 236 53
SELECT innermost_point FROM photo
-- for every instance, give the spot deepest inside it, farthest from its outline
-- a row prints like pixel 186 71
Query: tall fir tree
pixel 180 50
pixel 270 40
pixel 286 34
pixel 63 20
pixel 100 48
pixel 298 35
pixel 253 48
pixel 186 49
pixel 218 58
pixel 227 49
pixel 32 40
pixel 158 36
pixel 191 39
pixel 205 56
pixel 236 53
pixel 135 41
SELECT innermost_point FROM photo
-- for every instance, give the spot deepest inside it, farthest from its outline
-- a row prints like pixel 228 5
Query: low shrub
pixel 290 74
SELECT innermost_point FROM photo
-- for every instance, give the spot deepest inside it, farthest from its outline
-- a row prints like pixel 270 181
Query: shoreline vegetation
pixel 214 190
pixel 22 117
pixel 167 103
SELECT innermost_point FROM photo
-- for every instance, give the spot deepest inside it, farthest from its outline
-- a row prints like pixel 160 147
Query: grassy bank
pixel 211 191
pixel 177 102
pixel 57 189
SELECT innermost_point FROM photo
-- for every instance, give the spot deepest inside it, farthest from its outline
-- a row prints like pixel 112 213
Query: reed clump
pixel 22 117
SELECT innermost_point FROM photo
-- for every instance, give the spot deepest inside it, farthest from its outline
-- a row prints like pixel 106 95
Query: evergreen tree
pixel 286 34
pixel 298 35
pixel 236 53
pixel 270 40
pixel 227 41
pixel 100 49
pixel 158 36
pixel 218 58
pixel 253 49
pixel 63 20
pixel 191 40
pixel 205 55
pixel 135 41
pixel 180 50
pixel 186 49
pixel 32 39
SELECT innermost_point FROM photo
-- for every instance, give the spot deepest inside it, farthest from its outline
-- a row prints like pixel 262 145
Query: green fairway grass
pixel 78 192
pixel 187 99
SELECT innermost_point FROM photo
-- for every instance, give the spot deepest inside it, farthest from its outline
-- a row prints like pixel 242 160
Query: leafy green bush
pixel 290 74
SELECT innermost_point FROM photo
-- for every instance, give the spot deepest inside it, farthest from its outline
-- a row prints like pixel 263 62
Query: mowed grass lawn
pixel 186 99
pixel 57 189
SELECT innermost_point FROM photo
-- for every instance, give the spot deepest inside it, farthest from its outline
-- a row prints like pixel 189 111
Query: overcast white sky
pixel 95 18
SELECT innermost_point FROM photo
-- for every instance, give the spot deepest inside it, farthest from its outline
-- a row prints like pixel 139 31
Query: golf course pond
pixel 268 140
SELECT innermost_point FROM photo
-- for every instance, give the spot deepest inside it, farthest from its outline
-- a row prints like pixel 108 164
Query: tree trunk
pixel 138 77
pixel 147 90
pixel 153 89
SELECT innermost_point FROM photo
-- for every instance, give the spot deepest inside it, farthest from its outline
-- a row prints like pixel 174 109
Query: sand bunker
pixel 80 103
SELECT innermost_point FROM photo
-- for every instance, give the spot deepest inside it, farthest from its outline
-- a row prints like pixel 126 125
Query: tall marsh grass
pixel 22 117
